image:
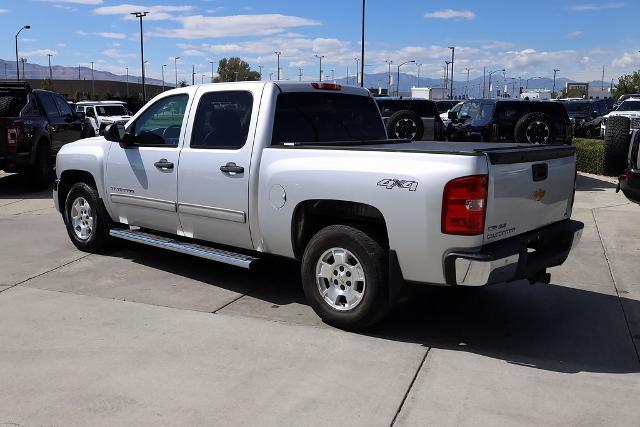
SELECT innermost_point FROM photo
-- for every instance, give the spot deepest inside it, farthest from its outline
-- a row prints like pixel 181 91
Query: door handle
pixel 232 168
pixel 163 164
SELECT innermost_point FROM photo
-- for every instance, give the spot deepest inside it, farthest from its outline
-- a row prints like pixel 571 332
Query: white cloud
pixel 112 35
pixel 115 53
pixel 89 2
pixel 497 44
pixel 38 52
pixel 82 33
pixel 596 6
pixel 627 59
pixel 574 34
pixel 156 13
pixel 4 11
pixel 451 14
pixel 198 26
pixel 192 52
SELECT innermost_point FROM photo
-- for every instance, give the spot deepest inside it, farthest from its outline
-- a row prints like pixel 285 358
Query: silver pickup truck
pixel 234 171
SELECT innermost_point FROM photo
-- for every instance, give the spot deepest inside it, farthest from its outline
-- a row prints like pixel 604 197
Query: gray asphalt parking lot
pixel 141 336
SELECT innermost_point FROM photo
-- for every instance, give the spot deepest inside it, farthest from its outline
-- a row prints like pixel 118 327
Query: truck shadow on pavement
pixel 548 327
pixel 588 183
pixel 15 186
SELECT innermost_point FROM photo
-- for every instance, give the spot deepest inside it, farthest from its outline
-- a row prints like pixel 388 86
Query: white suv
pixel 629 108
pixel 100 114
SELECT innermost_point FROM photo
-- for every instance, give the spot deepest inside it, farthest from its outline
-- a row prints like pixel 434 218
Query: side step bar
pixel 213 254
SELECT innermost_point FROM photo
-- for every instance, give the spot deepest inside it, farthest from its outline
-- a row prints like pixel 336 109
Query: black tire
pixel 98 239
pixel 405 124
pixel 534 128
pixel 616 145
pixel 374 302
pixel 40 174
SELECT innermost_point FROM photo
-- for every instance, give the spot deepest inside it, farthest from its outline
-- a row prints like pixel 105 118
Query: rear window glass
pixel 325 117
pixel 629 106
pixel 111 110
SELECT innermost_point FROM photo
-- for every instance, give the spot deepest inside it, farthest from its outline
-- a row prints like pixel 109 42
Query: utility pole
pixel 50 71
pixel 357 69
pixel 300 74
pixel 193 74
pixel 278 53
pixel 79 78
pixel 466 90
pixel 175 66
pixel 362 47
pixel 398 80
pixel 127 68
pixel 555 71
pixel 602 78
pixel 484 81
pixel 5 71
pixel 320 58
pixel 260 68
pixel 389 62
pixel 26 27
pixel 141 15
pixel 211 62
pixel 23 60
pixel 491 73
pixel 93 84
pixel 453 52
pixel 163 65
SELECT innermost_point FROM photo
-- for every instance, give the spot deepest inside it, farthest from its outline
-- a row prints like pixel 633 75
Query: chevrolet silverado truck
pixel 34 124
pixel 233 172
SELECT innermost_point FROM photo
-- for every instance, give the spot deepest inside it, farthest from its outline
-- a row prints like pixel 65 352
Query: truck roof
pixel 283 86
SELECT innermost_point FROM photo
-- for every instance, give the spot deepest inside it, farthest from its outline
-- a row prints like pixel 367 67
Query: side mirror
pixel 453 115
pixel 115 133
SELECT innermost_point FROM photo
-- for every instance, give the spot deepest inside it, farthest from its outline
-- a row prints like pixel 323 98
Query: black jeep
pixel 586 116
pixel 502 120
pixel 415 119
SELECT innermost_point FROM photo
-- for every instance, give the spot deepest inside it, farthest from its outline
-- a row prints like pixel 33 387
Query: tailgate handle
pixel 540 171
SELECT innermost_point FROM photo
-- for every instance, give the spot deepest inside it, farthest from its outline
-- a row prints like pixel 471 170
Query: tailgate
pixel 529 187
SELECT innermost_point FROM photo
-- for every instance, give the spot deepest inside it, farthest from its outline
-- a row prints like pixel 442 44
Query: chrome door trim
pixel 212 212
pixel 145 202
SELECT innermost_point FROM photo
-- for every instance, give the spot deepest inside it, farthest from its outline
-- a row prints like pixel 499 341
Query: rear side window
pixel 325 117
pixel 222 120
pixel 49 106
pixel 62 105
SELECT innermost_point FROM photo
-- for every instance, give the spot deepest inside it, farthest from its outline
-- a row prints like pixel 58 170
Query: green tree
pixel 47 84
pixel 629 83
pixel 227 69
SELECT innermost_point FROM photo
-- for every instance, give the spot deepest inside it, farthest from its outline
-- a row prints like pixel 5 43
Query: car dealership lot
pixel 142 336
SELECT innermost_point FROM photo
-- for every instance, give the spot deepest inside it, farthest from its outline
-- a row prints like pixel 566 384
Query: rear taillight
pixel 14 135
pixel 464 205
pixel 635 147
pixel 326 86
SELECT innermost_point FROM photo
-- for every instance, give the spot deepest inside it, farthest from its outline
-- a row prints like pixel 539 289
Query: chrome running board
pixel 213 254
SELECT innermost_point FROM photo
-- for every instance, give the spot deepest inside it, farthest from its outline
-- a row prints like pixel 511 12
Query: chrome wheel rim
pixel 340 279
pixel 82 218
pixel 538 132
pixel 406 129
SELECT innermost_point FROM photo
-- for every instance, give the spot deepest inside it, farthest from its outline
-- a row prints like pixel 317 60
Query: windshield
pixel 578 107
pixel 629 106
pixel 112 110
pixel 476 111
pixel 326 117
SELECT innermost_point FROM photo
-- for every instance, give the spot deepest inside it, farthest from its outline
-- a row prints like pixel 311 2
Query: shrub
pixel 589 153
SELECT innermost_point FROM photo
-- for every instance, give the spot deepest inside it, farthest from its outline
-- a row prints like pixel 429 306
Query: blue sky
pixel 576 37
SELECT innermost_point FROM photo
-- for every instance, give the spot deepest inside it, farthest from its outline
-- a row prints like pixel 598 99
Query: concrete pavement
pixel 141 336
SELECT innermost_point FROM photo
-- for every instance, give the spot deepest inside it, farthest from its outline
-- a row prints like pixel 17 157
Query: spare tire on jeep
pixel 405 124
pixel 534 128
pixel 616 145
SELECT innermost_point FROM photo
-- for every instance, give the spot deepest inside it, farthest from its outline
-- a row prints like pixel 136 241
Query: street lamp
pixel 555 71
pixel 127 68
pixel 446 74
pixel 398 79
pixel 320 58
pixel 389 62
pixel 141 15
pixel 278 53
pixel 357 68
pixel 211 62
pixel 362 47
pixel 260 67
pixel 175 66
pixel 453 52
pixel 491 73
pixel 26 27
pixel 163 65
pixel 202 79
pixel 466 90
pixel 418 80
pixel 50 71
pixel 93 84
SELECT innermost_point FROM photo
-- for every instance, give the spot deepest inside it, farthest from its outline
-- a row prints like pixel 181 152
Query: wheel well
pixel 70 177
pixel 311 216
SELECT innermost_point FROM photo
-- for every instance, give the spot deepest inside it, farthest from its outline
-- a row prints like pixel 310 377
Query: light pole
pixel 362 46
pixel 357 69
pixel 466 90
pixel 93 84
pixel 127 68
pixel 398 79
pixel 389 62
pixel 278 53
pixel 553 92
pixel 175 66
pixel 526 82
pixel 26 27
pixel 260 68
pixel 446 74
pixel 202 79
pixel 211 62
pixel 491 73
pixel 453 52
pixel 418 80
pixel 141 15
pixel 300 70
pixel 320 58
pixel 50 71
pixel 23 60
pixel 163 65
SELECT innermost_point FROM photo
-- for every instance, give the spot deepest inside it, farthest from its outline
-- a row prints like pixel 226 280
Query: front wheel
pixel 86 219
pixel 344 277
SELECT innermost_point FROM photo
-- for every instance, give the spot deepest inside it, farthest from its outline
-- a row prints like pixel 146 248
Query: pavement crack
pixel 232 301
pixel 43 273
pixel 406 394
pixel 11 203
pixel 615 286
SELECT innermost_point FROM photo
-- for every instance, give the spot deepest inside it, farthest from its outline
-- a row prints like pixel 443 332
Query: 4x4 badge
pixel 390 183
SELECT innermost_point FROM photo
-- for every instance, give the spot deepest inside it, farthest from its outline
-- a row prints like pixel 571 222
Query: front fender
pixel 87 155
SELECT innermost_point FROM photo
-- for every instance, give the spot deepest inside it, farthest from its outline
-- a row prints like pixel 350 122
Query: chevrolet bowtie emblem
pixel 538 195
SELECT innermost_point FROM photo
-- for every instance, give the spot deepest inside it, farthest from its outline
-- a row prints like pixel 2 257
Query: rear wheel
pixel 41 173
pixel 344 277
pixel 405 124
pixel 86 219
pixel 616 145
pixel 534 128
